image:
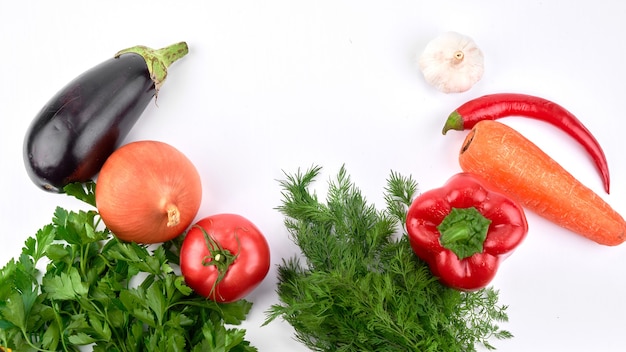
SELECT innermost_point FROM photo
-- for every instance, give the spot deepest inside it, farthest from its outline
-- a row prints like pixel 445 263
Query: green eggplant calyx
pixel 158 60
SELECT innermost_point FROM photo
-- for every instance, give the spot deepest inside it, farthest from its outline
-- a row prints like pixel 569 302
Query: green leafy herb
pixel 359 287
pixel 112 295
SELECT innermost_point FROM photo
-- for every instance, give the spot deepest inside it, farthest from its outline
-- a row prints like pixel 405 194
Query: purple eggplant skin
pixel 76 131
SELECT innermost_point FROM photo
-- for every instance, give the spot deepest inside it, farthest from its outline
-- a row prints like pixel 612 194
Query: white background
pixel 273 86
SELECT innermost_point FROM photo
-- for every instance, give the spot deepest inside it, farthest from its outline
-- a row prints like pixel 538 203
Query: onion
pixel 148 192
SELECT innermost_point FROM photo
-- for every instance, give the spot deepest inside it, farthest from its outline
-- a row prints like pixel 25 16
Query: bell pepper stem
pixel 463 231
pixel 457 232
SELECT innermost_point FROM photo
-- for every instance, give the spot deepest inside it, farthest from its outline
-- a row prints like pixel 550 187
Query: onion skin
pixel 148 192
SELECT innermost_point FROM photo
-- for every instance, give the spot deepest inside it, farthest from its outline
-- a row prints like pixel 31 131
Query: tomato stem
pixel 219 257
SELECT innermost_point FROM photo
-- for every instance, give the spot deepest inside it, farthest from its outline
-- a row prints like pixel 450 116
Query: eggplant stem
pixel 158 60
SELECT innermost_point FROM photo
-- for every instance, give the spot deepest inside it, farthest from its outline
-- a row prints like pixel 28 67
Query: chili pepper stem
pixel 454 122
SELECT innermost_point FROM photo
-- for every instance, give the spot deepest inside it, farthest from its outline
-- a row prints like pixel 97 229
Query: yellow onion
pixel 148 192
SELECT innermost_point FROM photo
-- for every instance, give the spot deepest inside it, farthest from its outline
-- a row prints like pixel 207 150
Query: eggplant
pixel 81 125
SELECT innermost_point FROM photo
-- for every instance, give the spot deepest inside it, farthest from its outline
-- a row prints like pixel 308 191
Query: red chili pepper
pixel 464 230
pixel 495 106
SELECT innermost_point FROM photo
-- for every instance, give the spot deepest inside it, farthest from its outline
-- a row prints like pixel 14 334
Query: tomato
pixel 224 257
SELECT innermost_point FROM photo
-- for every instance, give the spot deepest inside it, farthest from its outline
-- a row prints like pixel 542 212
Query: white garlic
pixel 452 62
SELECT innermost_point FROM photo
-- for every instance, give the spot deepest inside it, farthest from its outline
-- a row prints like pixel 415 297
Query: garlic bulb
pixel 452 63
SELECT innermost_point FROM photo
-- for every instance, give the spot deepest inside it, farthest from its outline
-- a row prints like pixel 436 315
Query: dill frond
pixel 358 288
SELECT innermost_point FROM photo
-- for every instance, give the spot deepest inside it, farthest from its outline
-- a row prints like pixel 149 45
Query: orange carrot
pixel 516 166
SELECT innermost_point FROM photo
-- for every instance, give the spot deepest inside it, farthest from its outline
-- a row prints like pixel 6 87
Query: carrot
pixel 516 166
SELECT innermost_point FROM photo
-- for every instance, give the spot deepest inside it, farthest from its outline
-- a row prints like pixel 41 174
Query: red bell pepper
pixel 463 230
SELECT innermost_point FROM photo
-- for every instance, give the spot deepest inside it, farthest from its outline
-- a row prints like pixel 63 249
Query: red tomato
pixel 224 257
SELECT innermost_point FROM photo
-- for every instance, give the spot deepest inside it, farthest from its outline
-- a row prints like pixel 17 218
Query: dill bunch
pixel 358 286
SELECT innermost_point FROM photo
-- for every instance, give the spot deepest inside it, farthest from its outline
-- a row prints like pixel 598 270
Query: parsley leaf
pixel 36 247
pixel 14 312
pixel 66 286
pixel 112 296
pixel 82 191
pixel 358 286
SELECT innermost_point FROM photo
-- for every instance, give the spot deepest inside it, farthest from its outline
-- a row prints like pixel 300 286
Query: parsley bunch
pixel 102 292
pixel 359 286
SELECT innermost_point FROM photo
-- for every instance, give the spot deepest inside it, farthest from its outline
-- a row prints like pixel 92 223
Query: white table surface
pixel 271 86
